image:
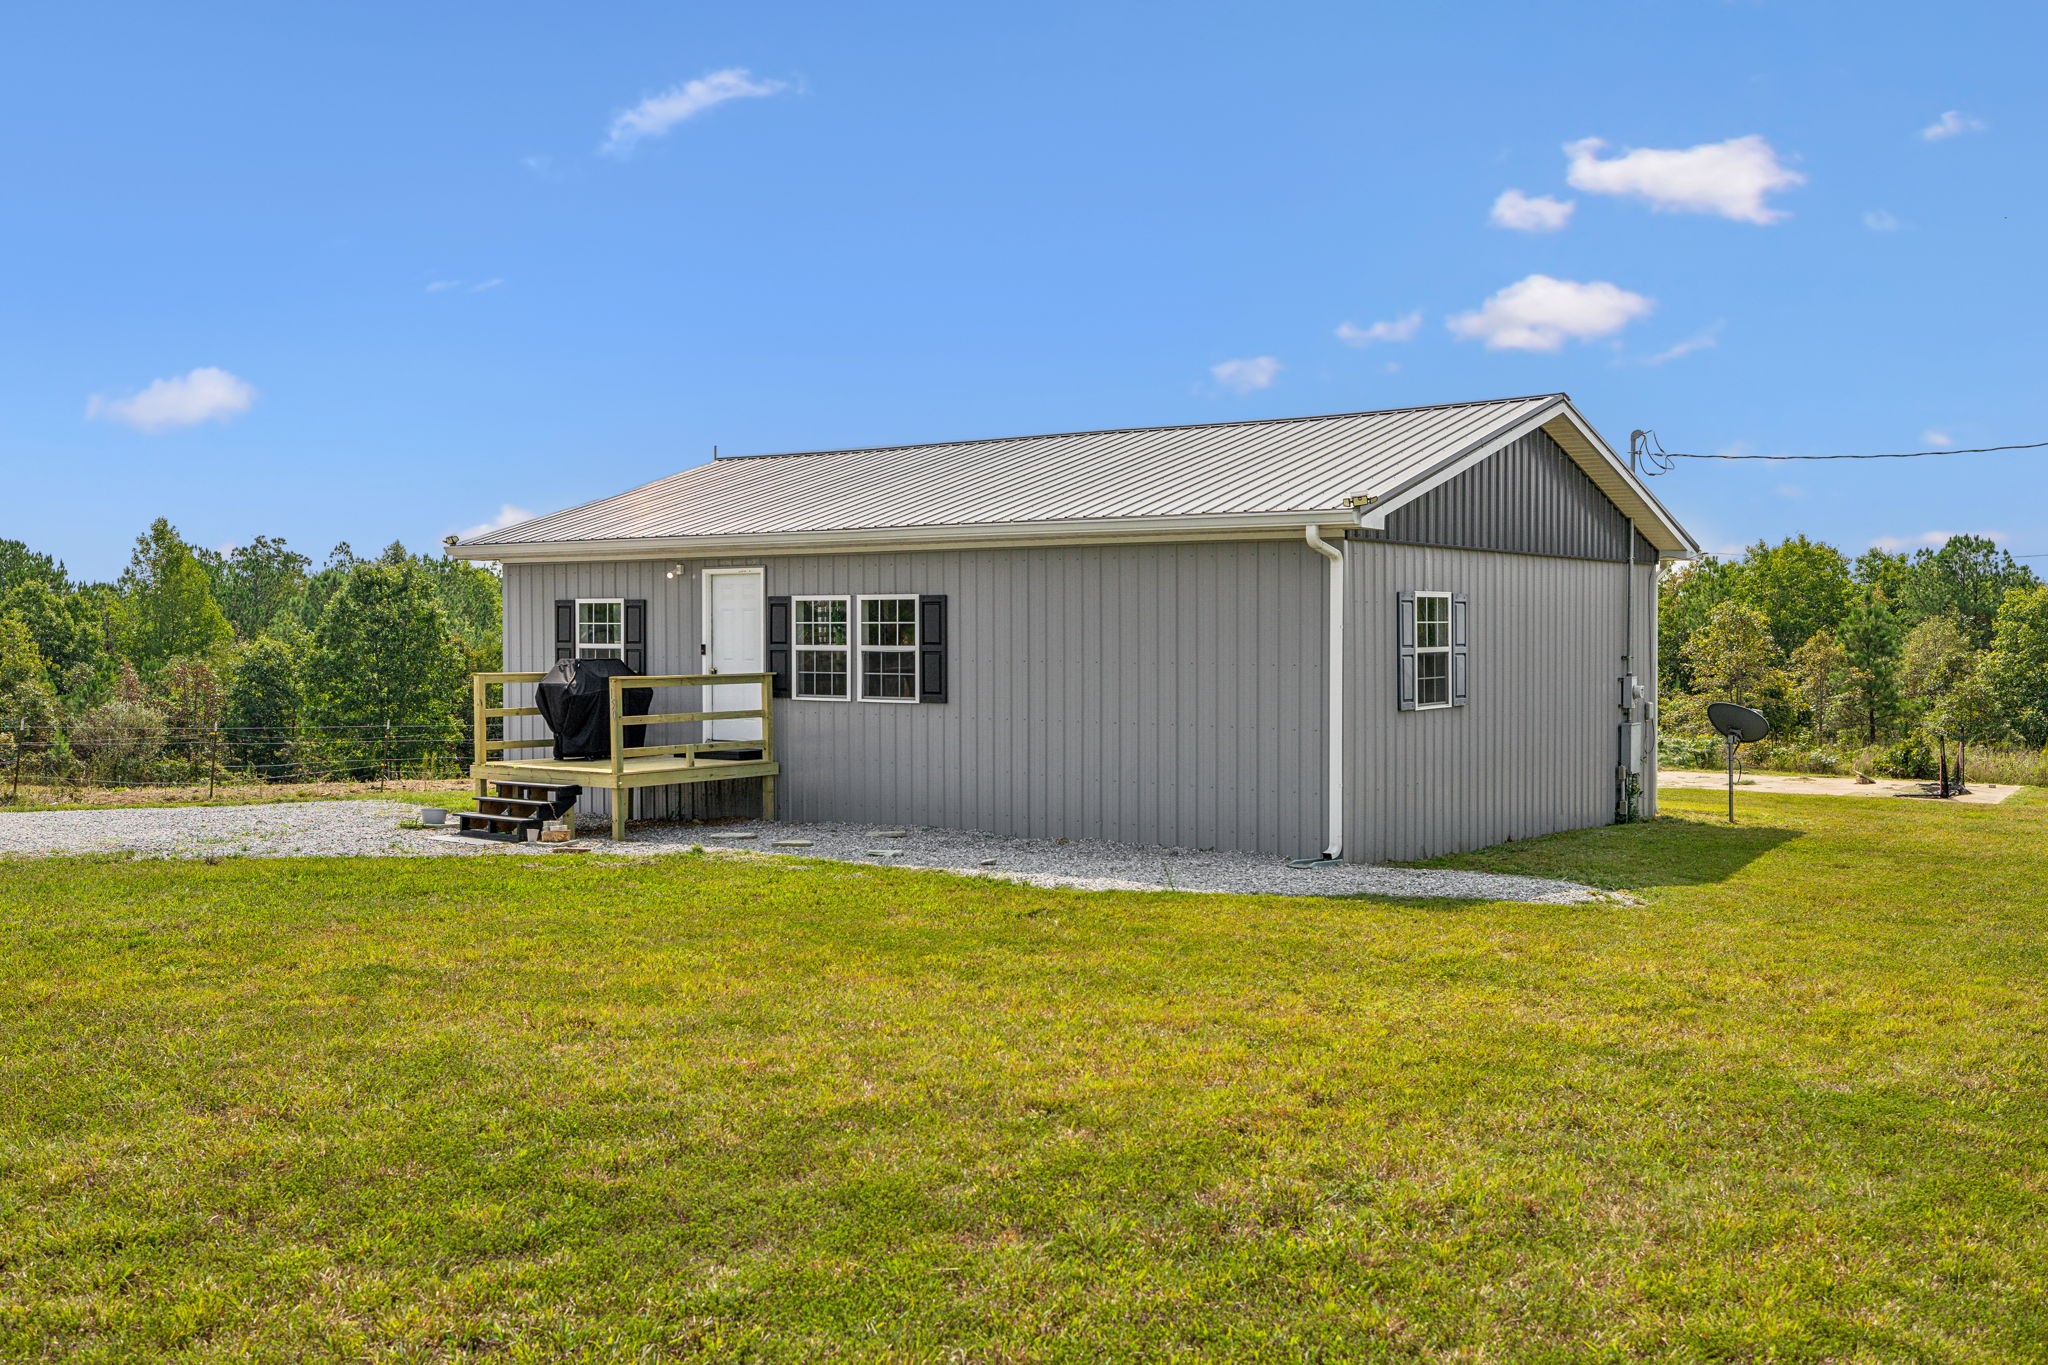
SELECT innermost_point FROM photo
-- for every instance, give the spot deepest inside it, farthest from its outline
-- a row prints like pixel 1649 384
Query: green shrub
pixel 119 740
pixel 1908 758
pixel 1687 751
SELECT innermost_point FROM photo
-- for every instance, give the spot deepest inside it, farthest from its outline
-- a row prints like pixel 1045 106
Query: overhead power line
pixel 1648 456
pixel 1882 455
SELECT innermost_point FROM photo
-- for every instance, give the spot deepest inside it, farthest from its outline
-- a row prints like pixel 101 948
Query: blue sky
pixel 391 269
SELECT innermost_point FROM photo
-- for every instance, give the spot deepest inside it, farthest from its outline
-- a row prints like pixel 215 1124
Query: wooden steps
pixel 516 807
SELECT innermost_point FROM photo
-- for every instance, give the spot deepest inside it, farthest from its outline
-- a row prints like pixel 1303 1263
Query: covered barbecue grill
pixel 575 701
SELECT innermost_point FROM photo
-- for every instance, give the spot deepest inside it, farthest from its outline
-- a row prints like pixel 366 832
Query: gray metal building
pixel 1374 635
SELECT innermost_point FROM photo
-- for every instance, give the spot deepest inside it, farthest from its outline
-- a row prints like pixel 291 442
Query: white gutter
pixel 962 536
pixel 1333 847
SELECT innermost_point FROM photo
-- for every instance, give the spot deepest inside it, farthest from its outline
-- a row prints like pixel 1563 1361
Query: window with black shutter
pixel 882 648
pixel 1433 650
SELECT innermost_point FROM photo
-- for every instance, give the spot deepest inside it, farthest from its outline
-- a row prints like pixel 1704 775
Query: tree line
pixel 248 657
pixel 1894 656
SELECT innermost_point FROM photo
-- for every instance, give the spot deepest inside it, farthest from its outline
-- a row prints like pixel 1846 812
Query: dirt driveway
pixel 1806 784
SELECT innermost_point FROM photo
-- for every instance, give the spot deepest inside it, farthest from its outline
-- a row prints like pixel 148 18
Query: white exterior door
pixel 735 641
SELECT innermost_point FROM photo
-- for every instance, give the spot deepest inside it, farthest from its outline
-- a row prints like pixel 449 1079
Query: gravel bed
pixel 370 829
pixel 287 830
pixel 1094 866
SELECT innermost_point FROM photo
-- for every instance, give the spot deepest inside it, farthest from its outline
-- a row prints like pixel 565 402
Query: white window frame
pixel 1421 649
pixel 586 651
pixel 797 649
pixel 861 648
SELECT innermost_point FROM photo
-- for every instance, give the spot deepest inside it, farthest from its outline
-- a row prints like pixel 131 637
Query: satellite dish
pixel 1737 723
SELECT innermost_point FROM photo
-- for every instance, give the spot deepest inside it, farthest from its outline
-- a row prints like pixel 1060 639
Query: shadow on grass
pixel 1666 851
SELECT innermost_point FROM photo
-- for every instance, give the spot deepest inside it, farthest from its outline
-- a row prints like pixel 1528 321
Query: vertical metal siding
pixel 1160 694
pixel 1534 750
pixel 1174 695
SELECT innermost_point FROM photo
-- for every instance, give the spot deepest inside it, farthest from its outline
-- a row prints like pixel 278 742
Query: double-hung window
pixel 600 628
pixel 1432 649
pixel 888 649
pixel 822 646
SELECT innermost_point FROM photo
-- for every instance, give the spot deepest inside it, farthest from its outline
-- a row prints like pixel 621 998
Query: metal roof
pixel 1241 473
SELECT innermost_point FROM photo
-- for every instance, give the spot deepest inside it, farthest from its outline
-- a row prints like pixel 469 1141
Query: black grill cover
pixel 575 699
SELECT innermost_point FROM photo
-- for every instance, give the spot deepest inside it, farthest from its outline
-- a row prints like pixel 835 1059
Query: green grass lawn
pixel 1789 1107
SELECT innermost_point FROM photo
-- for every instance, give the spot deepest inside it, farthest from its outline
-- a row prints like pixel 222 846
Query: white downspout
pixel 1333 848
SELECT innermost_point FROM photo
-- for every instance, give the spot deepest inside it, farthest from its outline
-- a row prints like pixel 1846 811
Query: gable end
pixel 1530 499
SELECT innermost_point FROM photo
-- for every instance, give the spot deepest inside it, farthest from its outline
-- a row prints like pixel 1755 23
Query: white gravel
pixel 370 828
pixel 284 830
pixel 1093 866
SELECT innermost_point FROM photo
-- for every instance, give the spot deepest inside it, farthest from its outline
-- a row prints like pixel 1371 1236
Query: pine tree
pixel 1870 640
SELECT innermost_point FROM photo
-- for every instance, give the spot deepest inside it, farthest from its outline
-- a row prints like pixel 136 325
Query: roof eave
pixel 972 535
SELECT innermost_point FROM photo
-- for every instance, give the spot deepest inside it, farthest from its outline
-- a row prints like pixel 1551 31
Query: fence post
pixel 212 762
pixel 384 757
pixel 19 727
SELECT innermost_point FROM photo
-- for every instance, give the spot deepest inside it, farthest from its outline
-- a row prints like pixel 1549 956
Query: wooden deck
pixel 628 769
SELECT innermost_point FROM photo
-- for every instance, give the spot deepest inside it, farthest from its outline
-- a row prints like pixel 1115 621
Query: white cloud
pixel 207 394
pixel 1395 329
pixel 1531 213
pixel 1700 341
pixel 1878 220
pixel 1937 438
pixel 508 515
pixel 442 286
pixel 1932 539
pixel 481 285
pixel 657 114
pixel 1727 178
pixel 1539 313
pixel 1243 376
pixel 1952 123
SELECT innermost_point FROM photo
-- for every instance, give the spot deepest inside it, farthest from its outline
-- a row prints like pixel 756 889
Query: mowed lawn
pixel 1789 1107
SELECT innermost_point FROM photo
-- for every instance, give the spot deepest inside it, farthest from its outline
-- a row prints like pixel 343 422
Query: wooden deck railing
pixel 482 713
pixel 688 751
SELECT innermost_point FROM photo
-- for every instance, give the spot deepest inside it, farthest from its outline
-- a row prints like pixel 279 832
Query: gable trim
pixel 1585 447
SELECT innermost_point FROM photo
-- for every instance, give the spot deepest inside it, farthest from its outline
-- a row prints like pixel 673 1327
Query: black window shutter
pixel 565 628
pixel 1404 627
pixel 636 634
pixel 931 647
pixel 1461 653
pixel 777 653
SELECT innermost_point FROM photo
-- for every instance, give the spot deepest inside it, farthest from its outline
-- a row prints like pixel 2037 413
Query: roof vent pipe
pixel 1333 780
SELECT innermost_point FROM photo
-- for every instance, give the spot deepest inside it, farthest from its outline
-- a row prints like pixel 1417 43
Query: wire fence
pixel 141 751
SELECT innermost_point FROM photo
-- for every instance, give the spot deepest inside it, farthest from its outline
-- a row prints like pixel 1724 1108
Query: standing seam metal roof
pixel 1287 464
